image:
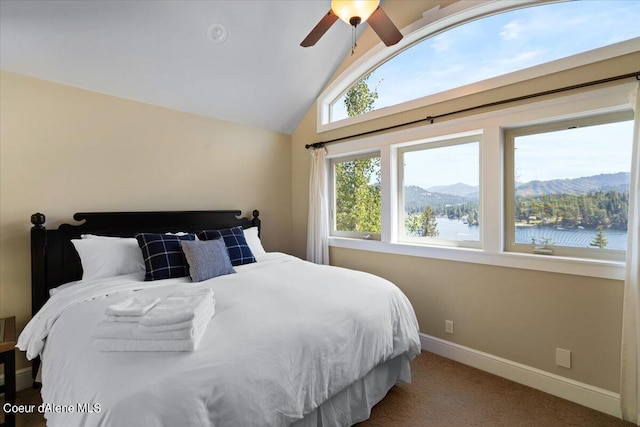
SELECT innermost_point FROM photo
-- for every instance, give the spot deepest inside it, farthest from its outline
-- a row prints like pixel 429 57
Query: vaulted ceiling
pixel 161 53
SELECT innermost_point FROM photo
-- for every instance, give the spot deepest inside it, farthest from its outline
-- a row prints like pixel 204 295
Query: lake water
pixel 453 229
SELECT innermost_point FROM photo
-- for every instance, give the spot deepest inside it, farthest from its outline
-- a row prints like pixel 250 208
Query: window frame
pixel 435 21
pixel 510 134
pixel 333 231
pixel 491 124
pixel 421 146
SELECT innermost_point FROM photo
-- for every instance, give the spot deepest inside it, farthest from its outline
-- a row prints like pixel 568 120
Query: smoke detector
pixel 217 33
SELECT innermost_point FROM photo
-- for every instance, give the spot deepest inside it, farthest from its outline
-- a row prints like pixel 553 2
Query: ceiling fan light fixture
pixel 347 10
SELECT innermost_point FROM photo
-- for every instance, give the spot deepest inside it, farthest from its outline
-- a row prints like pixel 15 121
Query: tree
pixel 600 240
pixel 358 198
pixel 358 206
pixel 423 224
pixel 429 224
pixel 359 99
pixel 412 225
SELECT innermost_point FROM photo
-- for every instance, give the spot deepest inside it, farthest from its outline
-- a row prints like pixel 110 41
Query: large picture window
pixel 567 187
pixel 541 186
pixel 440 192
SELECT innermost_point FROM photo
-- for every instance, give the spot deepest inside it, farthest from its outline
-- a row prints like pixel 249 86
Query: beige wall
pixel 65 150
pixel 521 315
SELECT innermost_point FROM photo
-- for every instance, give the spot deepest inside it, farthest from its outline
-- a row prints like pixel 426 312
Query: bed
pixel 291 343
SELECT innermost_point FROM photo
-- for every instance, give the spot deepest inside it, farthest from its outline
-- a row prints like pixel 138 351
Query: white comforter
pixel 287 335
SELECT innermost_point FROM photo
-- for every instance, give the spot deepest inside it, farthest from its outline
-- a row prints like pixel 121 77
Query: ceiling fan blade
pixel 384 28
pixel 318 31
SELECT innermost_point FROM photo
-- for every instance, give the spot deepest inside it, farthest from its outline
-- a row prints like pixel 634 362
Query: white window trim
pixel 436 20
pixel 509 161
pixel 333 231
pixel 491 125
pixel 439 143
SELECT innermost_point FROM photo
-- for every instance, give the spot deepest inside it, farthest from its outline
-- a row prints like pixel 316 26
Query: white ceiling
pixel 158 52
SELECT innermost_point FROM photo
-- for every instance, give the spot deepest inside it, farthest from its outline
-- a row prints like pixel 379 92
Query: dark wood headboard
pixel 54 260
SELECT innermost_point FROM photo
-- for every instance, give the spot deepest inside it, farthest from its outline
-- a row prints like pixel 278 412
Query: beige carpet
pixel 448 394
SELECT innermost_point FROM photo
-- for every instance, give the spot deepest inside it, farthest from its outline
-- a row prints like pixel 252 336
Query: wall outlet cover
pixel 563 358
pixel 448 326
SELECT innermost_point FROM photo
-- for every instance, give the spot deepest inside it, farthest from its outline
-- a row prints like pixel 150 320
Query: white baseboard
pixel 23 379
pixel 584 394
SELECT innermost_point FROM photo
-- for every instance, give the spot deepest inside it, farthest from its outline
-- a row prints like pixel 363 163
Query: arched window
pixel 489 49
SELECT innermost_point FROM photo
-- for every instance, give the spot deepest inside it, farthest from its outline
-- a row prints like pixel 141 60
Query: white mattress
pixel 287 336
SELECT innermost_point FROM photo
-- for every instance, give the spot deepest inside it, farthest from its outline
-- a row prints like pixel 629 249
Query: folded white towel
pixel 128 330
pixel 188 324
pixel 178 307
pixel 132 307
pixel 124 319
pixel 118 344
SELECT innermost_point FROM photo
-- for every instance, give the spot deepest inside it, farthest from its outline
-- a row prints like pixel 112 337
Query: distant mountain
pixel 459 189
pixel 583 185
pixel 416 198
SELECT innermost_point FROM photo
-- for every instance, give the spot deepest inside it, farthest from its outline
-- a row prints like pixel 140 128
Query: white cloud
pixel 441 42
pixel 511 30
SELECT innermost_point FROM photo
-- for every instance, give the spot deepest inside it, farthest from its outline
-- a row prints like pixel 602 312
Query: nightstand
pixel 8 358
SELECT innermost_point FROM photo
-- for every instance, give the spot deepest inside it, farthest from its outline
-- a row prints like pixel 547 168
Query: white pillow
pixel 251 236
pixel 103 256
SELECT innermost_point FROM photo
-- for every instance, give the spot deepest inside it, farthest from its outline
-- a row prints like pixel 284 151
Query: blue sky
pixel 443 166
pixel 501 44
pixel 565 154
pixel 574 153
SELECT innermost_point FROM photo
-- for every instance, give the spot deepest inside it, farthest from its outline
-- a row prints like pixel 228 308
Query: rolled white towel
pixel 132 307
pixel 177 308
pixel 123 330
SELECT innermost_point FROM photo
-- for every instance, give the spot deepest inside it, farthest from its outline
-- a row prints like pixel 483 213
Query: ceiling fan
pixel 355 12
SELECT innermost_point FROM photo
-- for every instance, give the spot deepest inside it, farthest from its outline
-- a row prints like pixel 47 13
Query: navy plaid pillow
pixel 239 252
pixel 163 256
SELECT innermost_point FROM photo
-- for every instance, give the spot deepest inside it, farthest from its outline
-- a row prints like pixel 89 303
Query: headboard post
pixel 38 275
pixel 256 221
pixel 38 262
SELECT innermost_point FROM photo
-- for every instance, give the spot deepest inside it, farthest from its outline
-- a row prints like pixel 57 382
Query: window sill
pixel 551 263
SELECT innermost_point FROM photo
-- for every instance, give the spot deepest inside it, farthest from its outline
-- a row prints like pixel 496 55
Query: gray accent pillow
pixel 207 259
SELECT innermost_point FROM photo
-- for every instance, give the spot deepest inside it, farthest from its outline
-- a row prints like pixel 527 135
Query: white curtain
pixel 630 360
pixel 318 223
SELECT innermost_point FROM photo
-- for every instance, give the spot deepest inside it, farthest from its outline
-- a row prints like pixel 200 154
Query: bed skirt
pixel 354 403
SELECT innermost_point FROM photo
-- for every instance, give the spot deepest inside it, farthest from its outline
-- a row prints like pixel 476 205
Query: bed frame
pixel 54 261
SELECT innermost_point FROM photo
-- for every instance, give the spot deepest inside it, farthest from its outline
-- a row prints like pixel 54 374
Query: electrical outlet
pixel 563 358
pixel 448 326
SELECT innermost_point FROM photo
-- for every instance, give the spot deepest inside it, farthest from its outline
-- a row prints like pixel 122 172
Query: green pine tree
pixel 600 240
pixel 429 224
